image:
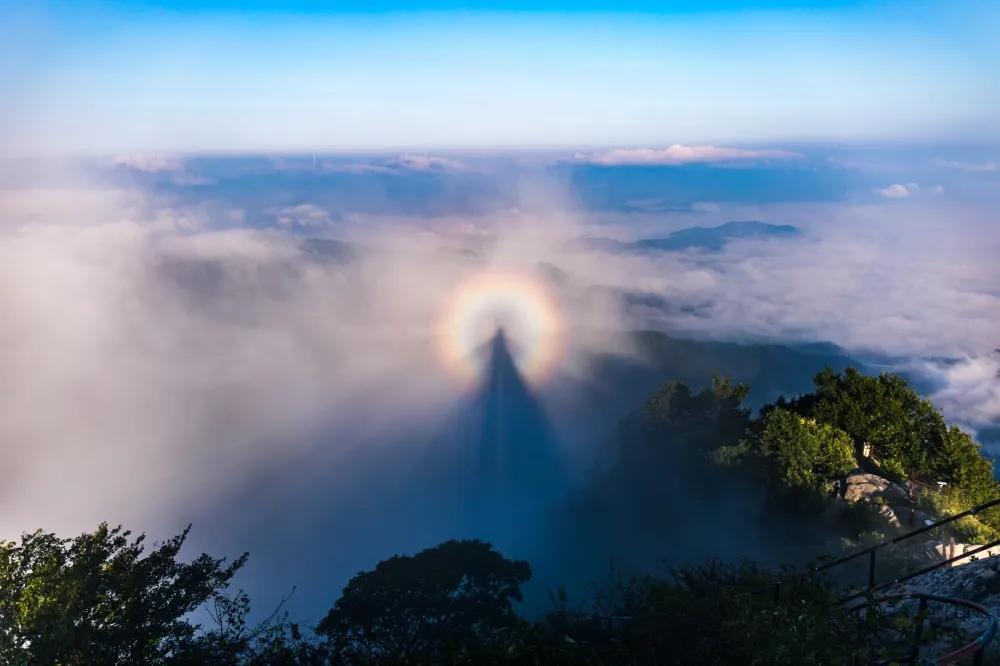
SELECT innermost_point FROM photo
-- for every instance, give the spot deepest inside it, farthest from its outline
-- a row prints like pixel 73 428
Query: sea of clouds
pixel 163 352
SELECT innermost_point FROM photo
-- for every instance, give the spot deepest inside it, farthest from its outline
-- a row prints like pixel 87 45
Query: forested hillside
pixel 686 463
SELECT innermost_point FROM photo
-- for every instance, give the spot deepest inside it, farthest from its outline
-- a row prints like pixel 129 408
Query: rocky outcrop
pixel 894 501
pixel 896 504
pixel 870 487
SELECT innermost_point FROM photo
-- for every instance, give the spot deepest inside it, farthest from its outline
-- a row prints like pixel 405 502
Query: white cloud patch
pixel 169 166
pixel 303 216
pixel 416 162
pixel 898 191
pixel 679 154
pixel 859 291
pixel 971 389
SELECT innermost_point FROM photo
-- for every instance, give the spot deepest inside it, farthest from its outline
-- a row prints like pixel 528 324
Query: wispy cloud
pixel 148 162
pixel 401 164
pixel 356 168
pixel 169 166
pixel 970 167
pixel 678 154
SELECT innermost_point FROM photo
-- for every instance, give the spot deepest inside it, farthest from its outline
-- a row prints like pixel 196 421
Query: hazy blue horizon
pixel 182 76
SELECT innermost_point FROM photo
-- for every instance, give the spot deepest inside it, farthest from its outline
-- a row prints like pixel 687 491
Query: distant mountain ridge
pixel 771 370
pixel 706 238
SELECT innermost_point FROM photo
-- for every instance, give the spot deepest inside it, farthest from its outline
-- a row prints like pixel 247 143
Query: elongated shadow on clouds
pixel 490 467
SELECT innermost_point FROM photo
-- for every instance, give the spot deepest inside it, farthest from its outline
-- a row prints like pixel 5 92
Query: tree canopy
pixel 906 433
pixel 453 599
pixel 808 454
pixel 908 436
pixel 100 599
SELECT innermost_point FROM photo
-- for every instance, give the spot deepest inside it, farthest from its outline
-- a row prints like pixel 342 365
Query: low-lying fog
pixel 253 345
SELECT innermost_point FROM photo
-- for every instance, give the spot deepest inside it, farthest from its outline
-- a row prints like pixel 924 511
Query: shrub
pixel 808 454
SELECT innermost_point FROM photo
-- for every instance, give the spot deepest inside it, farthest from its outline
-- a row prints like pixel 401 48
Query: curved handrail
pixel 974 647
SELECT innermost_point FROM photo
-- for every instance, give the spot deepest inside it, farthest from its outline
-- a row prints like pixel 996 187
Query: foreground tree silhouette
pixel 445 603
pixel 98 599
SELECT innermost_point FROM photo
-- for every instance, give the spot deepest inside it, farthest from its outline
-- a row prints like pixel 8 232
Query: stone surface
pixel 858 487
pixel 886 512
pixel 977 579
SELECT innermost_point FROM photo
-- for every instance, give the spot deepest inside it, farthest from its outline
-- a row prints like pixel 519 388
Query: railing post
pixel 918 630
pixel 871 569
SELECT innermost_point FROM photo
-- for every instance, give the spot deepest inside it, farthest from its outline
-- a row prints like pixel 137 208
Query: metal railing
pixel 974 648
pixel 872 551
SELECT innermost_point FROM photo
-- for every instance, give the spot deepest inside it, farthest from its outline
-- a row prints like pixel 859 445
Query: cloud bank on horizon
pixel 680 154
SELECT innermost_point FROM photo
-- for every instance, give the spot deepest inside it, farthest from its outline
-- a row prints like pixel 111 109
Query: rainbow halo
pixel 516 304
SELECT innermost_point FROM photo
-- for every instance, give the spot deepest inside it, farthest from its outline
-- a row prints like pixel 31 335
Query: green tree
pixel 663 451
pixel 808 454
pixel 100 599
pixel 440 605
pixel 961 463
pixel 909 440
pixel 971 482
pixel 676 418
pixel 905 431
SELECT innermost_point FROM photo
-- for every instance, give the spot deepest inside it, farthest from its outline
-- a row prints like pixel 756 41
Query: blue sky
pixel 226 76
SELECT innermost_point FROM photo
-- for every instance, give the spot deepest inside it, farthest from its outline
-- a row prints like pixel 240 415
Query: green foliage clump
pixel 904 430
pixel 675 416
pixel 452 604
pixel 712 614
pixel 909 440
pixel 808 454
pixel 100 599
pixel 960 463
pixel 444 603
pixel 907 435
pixel 970 529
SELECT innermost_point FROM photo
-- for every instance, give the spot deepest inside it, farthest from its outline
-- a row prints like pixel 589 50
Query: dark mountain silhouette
pixel 714 238
pixel 589 407
pixel 706 238
pixel 327 250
